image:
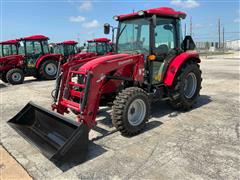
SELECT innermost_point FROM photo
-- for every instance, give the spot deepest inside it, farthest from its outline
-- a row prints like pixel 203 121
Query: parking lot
pixel 203 143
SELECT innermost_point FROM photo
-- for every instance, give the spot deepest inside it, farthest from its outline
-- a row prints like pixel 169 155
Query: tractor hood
pixel 84 55
pixel 11 58
pixel 104 59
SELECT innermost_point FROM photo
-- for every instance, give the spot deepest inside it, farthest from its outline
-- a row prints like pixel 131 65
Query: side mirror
pixel 188 43
pixel 106 28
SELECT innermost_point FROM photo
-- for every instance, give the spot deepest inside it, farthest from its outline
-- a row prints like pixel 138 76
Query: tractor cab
pixel 155 33
pixel 66 48
pixel 33 47
pixel 100 46
pixel 8 48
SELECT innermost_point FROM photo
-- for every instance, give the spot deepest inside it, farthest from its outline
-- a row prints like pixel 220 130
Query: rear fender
pixel 40 60
pixel 176 64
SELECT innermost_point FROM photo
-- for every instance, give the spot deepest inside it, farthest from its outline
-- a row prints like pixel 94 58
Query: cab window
pixel 7 49
pixel 45 47
pixel 164 36
pixel 1 46
pixel 33 48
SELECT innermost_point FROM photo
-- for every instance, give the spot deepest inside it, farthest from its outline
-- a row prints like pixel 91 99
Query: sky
pixel 82 20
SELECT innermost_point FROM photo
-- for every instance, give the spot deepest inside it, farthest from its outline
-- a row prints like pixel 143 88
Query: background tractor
pixel 67 48
pixel 95 47
pixel 8 50
pixel 31 59
pixel 152 63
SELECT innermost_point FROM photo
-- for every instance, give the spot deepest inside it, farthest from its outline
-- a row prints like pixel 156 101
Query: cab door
pixel 165 43
pixel 33 51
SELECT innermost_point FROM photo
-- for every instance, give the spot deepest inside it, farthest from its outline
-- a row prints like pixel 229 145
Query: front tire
pixel 131 110
pixel 48 70
pixel 186 87
pixel 15 76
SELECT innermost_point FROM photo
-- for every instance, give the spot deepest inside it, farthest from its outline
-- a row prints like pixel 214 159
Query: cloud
pixel 237 20
pixel 77 19
pixel 86 6
pixel 91 24
pixel 187 4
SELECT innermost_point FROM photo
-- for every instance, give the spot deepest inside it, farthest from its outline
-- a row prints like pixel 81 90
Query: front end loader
pixel 152 63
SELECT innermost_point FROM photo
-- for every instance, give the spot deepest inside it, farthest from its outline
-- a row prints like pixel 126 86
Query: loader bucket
pixel 58 138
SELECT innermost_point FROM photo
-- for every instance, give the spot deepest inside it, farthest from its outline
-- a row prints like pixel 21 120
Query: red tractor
pixel 68 49
pixel 8 50
pixel 96 47
pixel 31 58
pixel 152 63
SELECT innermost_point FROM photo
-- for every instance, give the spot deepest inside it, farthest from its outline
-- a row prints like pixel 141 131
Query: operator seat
pixel 162 49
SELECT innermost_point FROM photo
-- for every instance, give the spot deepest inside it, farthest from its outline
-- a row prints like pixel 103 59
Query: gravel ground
pixel 203 143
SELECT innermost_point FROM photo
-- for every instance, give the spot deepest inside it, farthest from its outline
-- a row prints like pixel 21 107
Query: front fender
pixel 176 64
pixel 55 57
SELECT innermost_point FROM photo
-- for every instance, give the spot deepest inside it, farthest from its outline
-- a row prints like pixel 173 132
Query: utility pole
pixel 191 26
pixel 219 33
pixel 223 46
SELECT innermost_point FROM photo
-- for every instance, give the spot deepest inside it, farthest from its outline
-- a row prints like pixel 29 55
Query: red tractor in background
pixel 31 58
pixel 152 63
pixel 8 51
pixel 95 47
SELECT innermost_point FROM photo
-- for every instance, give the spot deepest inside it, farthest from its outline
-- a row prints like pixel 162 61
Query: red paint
pixel 10 62
pixel 35 37
pixel 9 42
pixel 176 63
pixel 55 57
pixel 100 40
pixel 70 42
pixel 162 11
pixel 123 65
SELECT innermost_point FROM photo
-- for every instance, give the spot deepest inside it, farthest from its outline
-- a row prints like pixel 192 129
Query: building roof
pixel 161 11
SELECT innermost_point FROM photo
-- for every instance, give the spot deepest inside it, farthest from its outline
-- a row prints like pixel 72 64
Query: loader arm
pixel 96 77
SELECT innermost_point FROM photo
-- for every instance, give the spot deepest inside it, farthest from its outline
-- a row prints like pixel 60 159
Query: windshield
pixel 8 49
pixel 97 47
pixel 134 36
pixel 59 49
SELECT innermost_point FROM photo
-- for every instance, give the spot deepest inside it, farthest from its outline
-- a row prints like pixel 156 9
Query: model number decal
pixel 124 62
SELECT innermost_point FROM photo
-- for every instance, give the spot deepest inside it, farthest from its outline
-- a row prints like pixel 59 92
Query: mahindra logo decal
pixel 124 62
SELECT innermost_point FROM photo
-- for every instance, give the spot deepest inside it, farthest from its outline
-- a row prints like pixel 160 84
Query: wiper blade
pixel 122 30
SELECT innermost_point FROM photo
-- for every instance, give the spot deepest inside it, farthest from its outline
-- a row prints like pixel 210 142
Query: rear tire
pixel 15 76
pixel 48 70
pixel 186 87
pixel 131 110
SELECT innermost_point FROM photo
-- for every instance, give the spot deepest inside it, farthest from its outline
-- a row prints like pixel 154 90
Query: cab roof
pixel 100 40
pixel 161 11
pixel 69 42
pixel 35 37
pixel 9 42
